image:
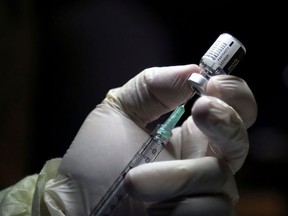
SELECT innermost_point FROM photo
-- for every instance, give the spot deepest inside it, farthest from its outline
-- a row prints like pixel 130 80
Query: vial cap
pixel 198 82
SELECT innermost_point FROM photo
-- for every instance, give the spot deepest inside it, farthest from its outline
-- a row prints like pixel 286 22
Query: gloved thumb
pixel 153 92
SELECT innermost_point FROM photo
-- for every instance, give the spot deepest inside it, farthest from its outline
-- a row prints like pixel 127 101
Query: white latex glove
pixel 193 175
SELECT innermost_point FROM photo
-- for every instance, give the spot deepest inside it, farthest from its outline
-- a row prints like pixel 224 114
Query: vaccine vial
pixel 221 58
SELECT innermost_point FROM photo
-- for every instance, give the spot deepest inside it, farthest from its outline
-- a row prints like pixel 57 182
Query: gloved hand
pixel 193 175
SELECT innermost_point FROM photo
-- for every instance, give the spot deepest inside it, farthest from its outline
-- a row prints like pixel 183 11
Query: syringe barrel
pixel 116 193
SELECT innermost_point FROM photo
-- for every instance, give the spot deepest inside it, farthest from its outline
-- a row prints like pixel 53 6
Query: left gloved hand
pixel 192 175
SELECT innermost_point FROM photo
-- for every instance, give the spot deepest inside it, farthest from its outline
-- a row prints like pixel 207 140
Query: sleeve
pixel 17 199
pixel 25 198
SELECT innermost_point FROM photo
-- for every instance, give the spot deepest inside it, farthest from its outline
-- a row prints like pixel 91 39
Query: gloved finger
pixel 153 92
pixel 199 205
pixel 235 92
pixel 215 123
pixel 226 133
pixel 166 180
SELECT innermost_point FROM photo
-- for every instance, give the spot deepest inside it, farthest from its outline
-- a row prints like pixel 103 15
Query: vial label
pixel 225 53
pixel 221 58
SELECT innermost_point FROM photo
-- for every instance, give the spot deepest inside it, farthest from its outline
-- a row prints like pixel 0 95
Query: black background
pixel 59 58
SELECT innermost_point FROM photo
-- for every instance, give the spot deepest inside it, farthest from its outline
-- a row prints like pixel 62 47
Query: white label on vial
pixel 222 50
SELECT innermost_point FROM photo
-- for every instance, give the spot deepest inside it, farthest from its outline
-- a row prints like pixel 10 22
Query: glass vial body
pixel 221 58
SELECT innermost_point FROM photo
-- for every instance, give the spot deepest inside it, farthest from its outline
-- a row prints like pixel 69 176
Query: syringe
pixel 147 153
pixel 221 58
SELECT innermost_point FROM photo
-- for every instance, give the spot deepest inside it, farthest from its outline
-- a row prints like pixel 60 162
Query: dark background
pixel 59 58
